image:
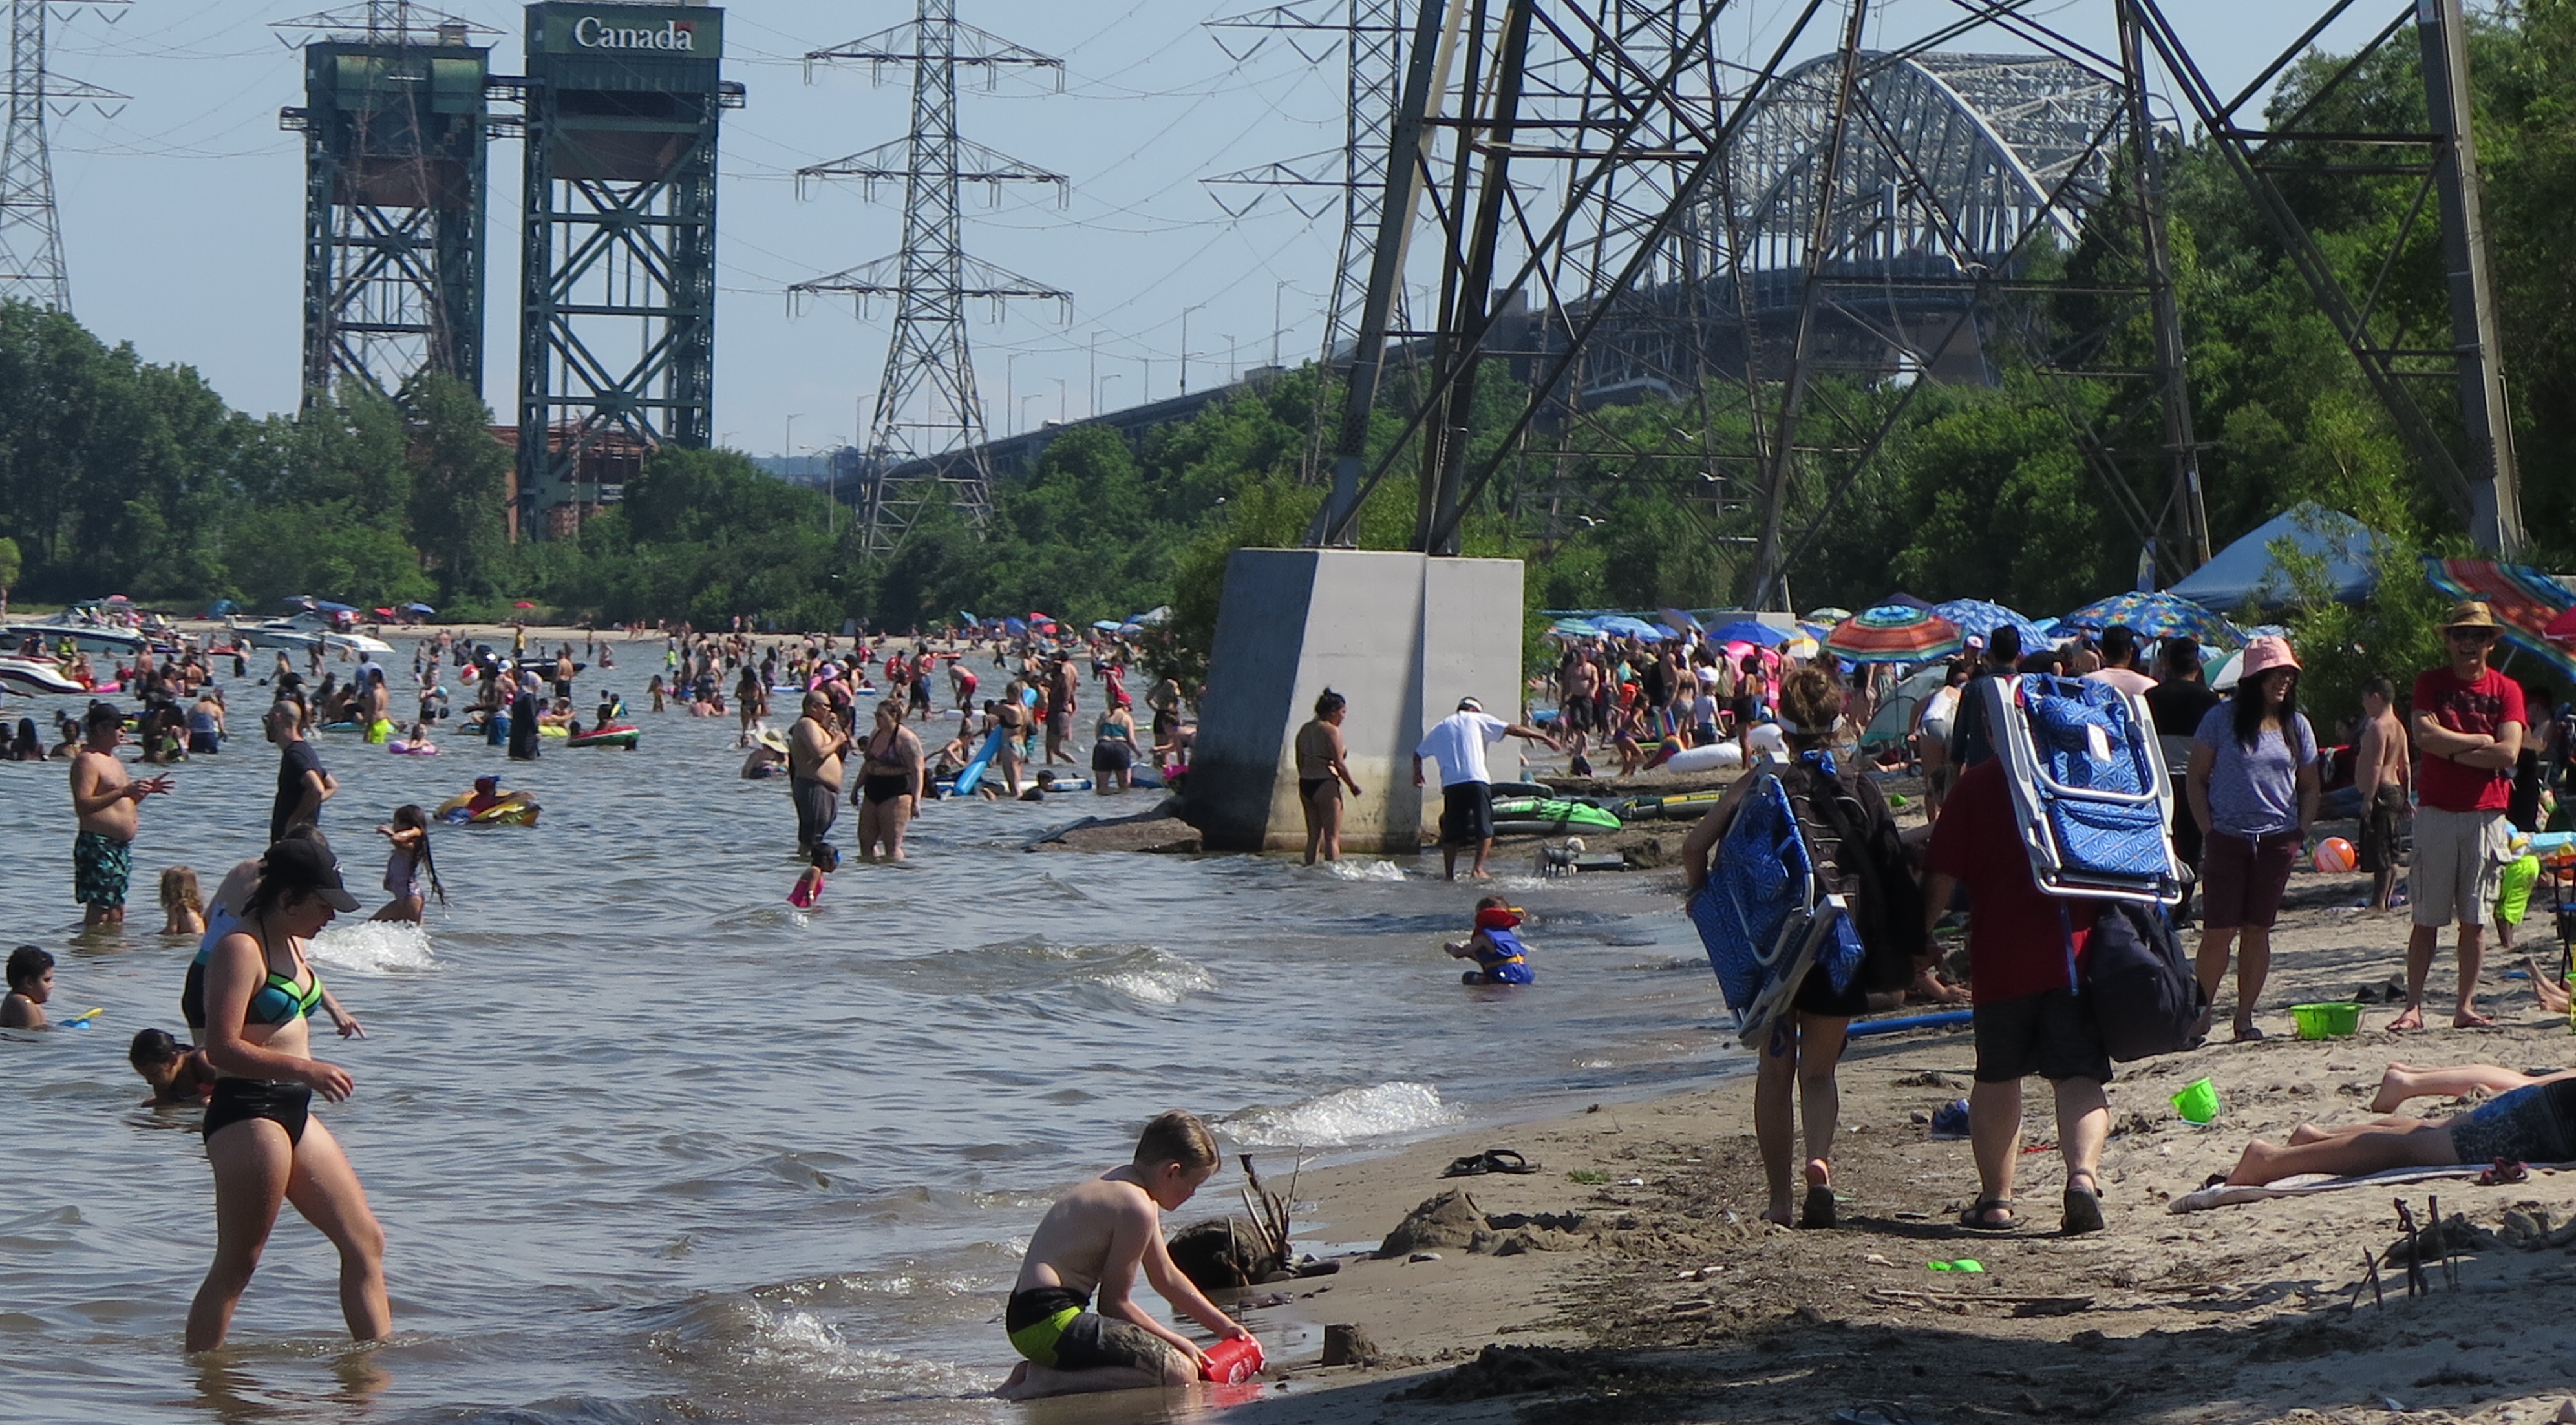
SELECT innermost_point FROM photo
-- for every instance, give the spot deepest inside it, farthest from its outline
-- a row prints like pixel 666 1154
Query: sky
pixel 182 205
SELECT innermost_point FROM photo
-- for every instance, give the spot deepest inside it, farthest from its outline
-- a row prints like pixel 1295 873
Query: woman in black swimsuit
pixel 261 1139
pixel 889 783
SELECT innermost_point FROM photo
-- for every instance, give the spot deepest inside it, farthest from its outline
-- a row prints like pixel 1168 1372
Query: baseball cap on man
pixel 302 867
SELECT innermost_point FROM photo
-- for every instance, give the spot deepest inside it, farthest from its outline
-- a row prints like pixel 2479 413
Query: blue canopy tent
pixel 2246 571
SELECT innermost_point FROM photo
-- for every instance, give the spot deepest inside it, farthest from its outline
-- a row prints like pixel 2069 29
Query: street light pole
pixel 1009 391
pixel 1185 347
pixel 1097 386
pixel 1095 375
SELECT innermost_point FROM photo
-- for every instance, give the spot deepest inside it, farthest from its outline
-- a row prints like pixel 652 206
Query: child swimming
pixel 183 906
pixel 1500 957
pixel 31 983
pixel 1095 1239
pixel 178 1073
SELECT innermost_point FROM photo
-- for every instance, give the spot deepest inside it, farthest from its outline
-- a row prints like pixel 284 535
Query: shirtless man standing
pixel 2383 775
pixel 814 748
pixel 107 803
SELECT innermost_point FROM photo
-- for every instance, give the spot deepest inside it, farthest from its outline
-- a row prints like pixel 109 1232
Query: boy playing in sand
pixel 1095 1239
pixel 1500 957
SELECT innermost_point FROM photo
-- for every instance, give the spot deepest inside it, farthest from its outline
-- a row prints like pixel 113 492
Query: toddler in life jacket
pixel 1495 946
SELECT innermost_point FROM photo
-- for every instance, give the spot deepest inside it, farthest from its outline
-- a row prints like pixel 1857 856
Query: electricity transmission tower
pixel 925 441
pixel 31 235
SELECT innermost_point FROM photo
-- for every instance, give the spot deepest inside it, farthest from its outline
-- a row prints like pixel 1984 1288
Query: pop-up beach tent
pixel 2246 570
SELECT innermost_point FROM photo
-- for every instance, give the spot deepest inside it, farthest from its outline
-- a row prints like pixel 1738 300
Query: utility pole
pixel 2495 501
pixel 926 439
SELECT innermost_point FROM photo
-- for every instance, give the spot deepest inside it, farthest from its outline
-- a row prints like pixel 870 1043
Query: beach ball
pixel 2336 857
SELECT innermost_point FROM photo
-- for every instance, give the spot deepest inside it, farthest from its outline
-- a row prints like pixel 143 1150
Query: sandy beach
pixel 1634 1254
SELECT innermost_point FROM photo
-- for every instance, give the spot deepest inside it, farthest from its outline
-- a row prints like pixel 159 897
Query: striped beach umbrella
pixel 2524 600
pixel 1893 633
pixel 2153 615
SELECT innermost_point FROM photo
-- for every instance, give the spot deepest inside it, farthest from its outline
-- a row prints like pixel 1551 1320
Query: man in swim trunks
pixel 1094 1239
pixel 814 748
pixel 108 805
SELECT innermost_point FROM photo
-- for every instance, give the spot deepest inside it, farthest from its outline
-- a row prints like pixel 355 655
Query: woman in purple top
pixel 2253 787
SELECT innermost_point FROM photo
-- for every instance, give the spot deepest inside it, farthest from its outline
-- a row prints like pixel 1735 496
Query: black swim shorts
pixel 2529 1125
pixel 1466 813
pixel 2050 1034
pixel 289 1106
pixel 816 809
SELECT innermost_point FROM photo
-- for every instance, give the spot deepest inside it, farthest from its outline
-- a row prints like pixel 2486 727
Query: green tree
pixel 460 483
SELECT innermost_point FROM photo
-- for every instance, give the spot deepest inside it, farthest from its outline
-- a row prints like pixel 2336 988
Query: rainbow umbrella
pixel 1893 633
pixel 2153 615
pixel 2524 600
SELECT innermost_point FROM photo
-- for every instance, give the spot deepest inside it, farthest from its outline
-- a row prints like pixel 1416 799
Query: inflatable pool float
pixel 1525 816
pixel 339 727
pixel 1714 757
pixel 404 749
pixel 549 730
pixel 606 737
pixel 513 809
pixel 1683 807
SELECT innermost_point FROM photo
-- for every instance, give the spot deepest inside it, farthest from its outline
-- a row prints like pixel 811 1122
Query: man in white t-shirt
pixel 2120 663
pixel 1457 742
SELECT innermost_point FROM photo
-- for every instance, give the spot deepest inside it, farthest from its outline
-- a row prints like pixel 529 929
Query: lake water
pixel 650 1144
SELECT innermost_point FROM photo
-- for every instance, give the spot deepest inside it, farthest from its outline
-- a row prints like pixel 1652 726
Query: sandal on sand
pixel 1990 1214
pixel 1818 1209
pixel 2083 1210
pixel 1492 1160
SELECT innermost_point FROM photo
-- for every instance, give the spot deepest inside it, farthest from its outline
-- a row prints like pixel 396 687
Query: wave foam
pixel 1343 1116
pixel 1155 977
pixel 1363 870
pixel 374 947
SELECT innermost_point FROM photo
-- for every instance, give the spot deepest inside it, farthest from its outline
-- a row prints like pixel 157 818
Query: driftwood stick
pixel 2414 1249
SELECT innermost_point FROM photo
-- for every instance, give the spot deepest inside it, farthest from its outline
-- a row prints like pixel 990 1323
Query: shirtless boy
pixel 1095 1239
pixel 106 802
pixel 2382 774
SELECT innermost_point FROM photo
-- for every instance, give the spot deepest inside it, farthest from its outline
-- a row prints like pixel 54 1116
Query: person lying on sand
pixel 1095 1239
pixel 2404 1081
pixel 2533 1124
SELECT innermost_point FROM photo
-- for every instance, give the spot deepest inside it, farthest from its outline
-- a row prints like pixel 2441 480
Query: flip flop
pixel 1492 1160
pixel 1818 1209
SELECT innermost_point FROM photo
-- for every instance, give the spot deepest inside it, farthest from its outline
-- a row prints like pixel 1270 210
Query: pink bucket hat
pixel 2265 654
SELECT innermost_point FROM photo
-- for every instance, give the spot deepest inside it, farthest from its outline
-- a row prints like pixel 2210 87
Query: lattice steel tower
pixel 926 438
pixel 617 296
pixel 394 126
pixel 31 236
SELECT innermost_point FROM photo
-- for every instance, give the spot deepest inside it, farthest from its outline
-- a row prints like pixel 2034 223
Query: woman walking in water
pixel 1321 775
pixel 889 782
pixel 255 993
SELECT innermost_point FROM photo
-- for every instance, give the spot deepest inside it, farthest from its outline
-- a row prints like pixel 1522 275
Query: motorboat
pixel 34 676
pixel 87 637
pixel 301 633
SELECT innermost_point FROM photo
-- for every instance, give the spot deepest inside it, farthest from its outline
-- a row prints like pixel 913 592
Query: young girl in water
pixel 408 865
pixel 183 906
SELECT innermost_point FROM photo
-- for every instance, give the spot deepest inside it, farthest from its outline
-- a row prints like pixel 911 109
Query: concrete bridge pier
pixel 1402 636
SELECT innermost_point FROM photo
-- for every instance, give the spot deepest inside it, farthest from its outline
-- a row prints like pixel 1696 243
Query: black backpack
pixel 2146 996
pixel 1854 840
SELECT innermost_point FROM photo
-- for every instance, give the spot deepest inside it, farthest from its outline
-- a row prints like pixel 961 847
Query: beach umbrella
pixel 1573 628
pixel 1628 626
pixel 329 607
pixel 1979 619
pixel 2524 600
pixel 1761 635
pixel 969 618
pixel 2153 615
pixel 1898 600
pixel 1892 633
pixel 2224 673
pixel 1803 646
pixel 1677 621
pixel 523 604
pixel 1828 616
pixel 419 609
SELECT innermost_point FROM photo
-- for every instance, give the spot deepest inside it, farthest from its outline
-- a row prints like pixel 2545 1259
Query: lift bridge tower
pixel 618 272
pixel 395 129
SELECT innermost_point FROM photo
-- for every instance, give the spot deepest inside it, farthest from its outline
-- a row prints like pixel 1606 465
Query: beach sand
pixel 1675 1303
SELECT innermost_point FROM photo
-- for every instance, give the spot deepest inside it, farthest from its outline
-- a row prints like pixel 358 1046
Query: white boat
pixel 302 632
pixel 34 675
pixel 87 637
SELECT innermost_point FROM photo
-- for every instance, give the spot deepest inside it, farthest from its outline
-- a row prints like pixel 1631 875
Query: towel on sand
pixel 2228 1194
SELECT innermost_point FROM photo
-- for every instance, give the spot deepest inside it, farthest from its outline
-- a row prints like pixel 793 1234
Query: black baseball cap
pixel 309 868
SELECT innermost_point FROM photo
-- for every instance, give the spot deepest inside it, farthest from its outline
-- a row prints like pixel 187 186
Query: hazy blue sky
pixel 182 212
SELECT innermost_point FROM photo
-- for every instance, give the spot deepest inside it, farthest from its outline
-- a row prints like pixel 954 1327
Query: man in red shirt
pixel 2468 722
pixel 2025 950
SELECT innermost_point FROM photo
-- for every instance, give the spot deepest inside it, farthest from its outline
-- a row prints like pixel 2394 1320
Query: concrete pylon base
pixel 1402 636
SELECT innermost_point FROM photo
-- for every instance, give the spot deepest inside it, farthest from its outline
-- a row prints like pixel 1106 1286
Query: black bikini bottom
pixel 289 1106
